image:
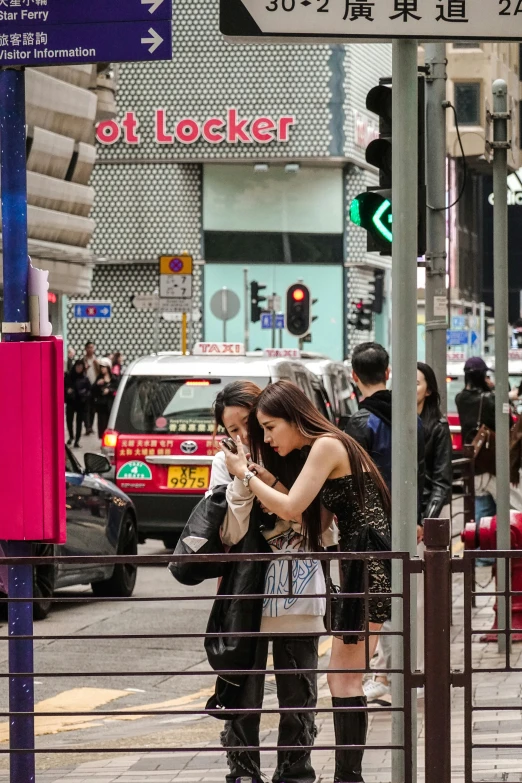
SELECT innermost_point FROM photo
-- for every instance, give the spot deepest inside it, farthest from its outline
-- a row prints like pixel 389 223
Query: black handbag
pixel 201 536
pixel 484 446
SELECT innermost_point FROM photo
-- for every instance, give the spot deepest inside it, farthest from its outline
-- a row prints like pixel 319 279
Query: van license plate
pixel 188 477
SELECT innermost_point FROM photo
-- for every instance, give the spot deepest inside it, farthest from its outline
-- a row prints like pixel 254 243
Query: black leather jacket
pixel 438 476
pixel 468 406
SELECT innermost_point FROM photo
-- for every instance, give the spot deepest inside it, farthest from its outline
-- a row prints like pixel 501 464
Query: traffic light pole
pixel 436 293
pixel 500 284
pixel 404 368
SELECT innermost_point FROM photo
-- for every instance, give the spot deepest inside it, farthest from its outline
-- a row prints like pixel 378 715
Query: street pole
pixel 224 308
pixel 404 348
pixel 273 316
pixel 247 309
pixel 482 316
pixel 500 284
pixel 436 291
pixel 14 328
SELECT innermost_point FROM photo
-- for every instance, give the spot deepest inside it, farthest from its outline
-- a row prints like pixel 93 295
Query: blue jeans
pixel 485 506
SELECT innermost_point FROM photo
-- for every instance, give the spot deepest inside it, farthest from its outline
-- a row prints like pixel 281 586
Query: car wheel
pixel 121 583
pixel 171 541
pixel 43 583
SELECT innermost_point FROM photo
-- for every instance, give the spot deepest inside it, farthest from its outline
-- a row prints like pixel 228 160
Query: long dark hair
pixel 476 379
pixel 431 412
pixel 285 400
pixel 238 394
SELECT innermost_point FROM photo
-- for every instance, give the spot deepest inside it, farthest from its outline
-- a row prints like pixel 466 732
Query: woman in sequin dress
pixel 337 478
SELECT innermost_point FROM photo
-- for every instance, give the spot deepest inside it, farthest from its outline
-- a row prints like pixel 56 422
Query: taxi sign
pixel 219 349
pixel 181 264
pixel 282 353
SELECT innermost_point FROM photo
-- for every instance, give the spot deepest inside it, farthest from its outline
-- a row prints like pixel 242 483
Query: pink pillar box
pixel 32 451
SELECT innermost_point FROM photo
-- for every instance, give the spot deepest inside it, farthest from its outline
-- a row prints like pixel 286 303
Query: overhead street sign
pixel 13 12
pixel 91 310
pixel 280 21
pixel 85 43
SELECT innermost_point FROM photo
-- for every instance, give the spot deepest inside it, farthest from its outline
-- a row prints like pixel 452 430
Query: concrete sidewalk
pixel 204 766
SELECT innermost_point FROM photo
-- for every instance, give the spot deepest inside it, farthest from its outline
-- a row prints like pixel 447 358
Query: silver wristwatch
pixel 248 476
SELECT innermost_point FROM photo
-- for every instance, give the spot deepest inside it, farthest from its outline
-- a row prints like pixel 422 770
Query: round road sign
pixel 225 304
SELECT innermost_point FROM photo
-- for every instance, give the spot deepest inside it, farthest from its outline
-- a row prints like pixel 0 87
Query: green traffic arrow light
pixel 378 220
pixel 372 211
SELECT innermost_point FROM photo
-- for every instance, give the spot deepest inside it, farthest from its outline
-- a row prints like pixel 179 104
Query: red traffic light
pixel 298 295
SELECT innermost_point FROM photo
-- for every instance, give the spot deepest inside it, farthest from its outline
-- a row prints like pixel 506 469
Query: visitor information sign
pixel 53 32
pixel 368 20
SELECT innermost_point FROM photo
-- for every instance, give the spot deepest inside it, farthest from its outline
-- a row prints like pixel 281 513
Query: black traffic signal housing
pixel 377 292
pixel 298 310
pixel 373 210
pixel 362 319
pixel 256 301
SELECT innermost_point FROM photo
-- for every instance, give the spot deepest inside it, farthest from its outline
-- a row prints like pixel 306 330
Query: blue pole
pixel 16 311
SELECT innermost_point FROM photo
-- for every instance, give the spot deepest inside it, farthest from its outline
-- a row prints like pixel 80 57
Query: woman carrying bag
pixel 249 527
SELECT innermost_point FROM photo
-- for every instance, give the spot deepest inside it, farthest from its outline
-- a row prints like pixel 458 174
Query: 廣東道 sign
pixel 274 20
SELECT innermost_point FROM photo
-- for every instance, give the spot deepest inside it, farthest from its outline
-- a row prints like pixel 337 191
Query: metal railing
pixel 438 679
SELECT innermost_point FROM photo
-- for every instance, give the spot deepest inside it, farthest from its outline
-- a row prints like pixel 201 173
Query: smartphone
pixel 230 444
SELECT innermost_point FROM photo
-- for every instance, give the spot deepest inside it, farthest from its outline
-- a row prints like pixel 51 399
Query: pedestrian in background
pixel 71 353
pixel 371 427
pixel 77 397
pixel 103 392
pixel 438 451
pixel 117 364
pixel 92 369
pixel 338 478
pixel 476 406
pixel 281 616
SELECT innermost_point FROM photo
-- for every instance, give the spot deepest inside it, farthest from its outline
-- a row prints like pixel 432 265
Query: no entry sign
pixel 279 20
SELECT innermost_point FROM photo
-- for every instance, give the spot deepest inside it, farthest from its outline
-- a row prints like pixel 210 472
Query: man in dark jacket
pixel 371 425
pixel 371 428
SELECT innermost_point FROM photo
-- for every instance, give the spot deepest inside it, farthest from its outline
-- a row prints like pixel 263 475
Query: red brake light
pixel 197 383
pixel 110 439
pixel 298 295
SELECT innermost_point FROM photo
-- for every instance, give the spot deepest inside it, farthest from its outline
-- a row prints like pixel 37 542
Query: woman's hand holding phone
pixel 237 464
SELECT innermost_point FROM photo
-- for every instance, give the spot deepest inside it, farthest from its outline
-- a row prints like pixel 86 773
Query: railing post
pixel 437 626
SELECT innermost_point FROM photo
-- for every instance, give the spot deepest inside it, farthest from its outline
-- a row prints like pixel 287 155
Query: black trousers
pixel 70 412
pixel 89 414
pixel 295 728
pixel 103 420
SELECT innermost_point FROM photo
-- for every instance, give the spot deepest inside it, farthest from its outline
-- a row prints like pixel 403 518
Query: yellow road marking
pixel 90 699
pixel 78 699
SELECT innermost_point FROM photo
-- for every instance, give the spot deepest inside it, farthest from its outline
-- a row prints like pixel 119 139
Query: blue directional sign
pixel 86 43
pixel 36 12
pixel 91 310
pixel 266 321
pixel 458 322
pixel 457 337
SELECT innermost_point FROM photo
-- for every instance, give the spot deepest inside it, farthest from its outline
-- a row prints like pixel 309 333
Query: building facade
pixel 62 107
pixel 243 157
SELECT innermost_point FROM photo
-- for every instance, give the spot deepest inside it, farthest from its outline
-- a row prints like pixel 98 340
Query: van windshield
pixel 152 404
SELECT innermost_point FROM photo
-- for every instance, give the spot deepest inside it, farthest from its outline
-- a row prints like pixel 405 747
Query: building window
pixel 467 102
pixel 467 45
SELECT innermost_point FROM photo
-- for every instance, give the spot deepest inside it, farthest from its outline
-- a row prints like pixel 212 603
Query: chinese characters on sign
pixel 372 19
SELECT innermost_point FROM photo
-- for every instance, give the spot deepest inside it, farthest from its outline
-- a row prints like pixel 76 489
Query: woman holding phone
pixel 337 478
pixel 285 621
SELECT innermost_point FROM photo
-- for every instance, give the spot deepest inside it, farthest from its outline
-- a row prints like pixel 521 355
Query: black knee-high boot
pixel 350 729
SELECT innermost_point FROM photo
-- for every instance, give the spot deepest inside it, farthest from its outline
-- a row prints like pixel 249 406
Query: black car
pixel 101 520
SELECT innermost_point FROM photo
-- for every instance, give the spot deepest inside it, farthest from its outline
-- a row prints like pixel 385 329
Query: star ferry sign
pixel 291 21
pixel 55 32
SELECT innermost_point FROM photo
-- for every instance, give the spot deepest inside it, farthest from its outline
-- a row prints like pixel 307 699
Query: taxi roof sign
pixel 181 264
pixel 219 349
pixel 282 353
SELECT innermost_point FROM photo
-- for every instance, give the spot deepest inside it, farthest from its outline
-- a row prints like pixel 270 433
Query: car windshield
pixel 152 404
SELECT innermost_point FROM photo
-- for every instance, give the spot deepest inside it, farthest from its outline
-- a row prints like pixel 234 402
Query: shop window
pixel 467 102
pixel 245 247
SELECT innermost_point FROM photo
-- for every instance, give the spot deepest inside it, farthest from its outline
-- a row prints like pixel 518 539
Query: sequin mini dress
pixel 360 530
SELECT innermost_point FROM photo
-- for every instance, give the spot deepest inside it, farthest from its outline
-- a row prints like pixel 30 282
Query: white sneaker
pixel 376 691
